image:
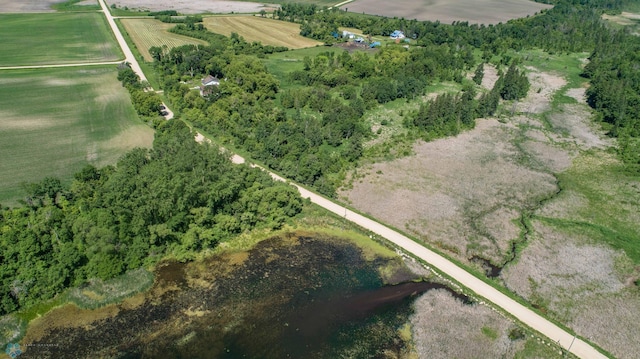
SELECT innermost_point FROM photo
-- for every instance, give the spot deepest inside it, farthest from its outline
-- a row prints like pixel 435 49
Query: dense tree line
pixel 296 12
pixel 176 199
pixel 615 91
pixel 146 103
pixel 190 20
pixel 219 42
pixel 514 84
pixel 449 114
pixel 569 26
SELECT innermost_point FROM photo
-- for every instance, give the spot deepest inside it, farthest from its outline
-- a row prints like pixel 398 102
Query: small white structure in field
pixel 397 35
pixel 348 34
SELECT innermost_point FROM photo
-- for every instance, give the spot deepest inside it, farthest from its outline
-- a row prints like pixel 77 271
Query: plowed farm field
pixel 146 33
pixel 267 31
pixel 448 11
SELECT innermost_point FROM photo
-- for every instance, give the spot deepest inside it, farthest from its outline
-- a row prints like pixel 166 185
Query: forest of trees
pixel 312 134
pixel 180 197
pixel 175 200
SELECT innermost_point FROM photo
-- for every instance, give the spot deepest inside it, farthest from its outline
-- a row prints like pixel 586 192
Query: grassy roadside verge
pixel 146 67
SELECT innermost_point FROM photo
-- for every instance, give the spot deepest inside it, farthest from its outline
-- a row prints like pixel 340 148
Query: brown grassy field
pixel 146 33
pixel 266 31
pixel 447 11
pixel 467 194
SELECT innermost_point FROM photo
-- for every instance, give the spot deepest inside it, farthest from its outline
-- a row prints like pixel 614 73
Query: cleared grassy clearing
pixel 72 117
pixel 282 63
pixel 444 327
pixel 57 39
pixel 267 31
pixel 581 263
pixel 146 33
pixel 391 139
pixel 447 11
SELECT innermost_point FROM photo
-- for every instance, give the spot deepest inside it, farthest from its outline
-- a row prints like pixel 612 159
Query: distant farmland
pixel 146 33
pixel 267 31
pixel 448 11
pixel 56 38
pixel 55 121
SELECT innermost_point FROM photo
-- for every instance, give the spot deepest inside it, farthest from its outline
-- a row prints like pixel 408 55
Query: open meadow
pixel 146 33
pixel 448 11
pixel 58 38
pixel 73 117
pixel 267 31
pixel 536 191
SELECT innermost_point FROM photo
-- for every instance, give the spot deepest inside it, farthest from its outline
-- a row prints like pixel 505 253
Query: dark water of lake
pixel 297 296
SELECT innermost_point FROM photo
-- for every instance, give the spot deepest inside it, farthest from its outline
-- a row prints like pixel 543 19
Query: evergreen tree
pixel 514 84
pixel 479 74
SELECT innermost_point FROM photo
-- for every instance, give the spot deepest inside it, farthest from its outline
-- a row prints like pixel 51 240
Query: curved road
pixel 567 341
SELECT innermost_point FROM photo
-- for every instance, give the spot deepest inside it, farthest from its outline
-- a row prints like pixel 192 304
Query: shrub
pixel 516 334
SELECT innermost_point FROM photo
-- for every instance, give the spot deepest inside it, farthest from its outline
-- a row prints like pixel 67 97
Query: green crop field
pixel 57 38
pixel 55 121
pixel 146 33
